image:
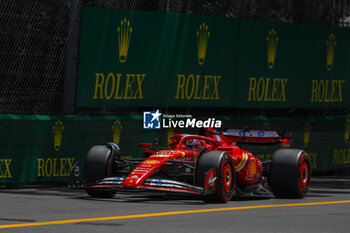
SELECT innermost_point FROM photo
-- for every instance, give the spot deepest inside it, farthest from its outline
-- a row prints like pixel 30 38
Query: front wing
pixel 158 185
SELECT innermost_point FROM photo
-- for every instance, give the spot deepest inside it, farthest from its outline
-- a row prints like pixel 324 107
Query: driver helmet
pixel 191 143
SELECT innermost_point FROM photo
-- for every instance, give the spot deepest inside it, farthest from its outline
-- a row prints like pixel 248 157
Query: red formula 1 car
pixel 210 166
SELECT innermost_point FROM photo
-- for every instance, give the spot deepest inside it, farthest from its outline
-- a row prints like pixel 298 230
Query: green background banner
pixel 155 59
pixel 299 76
pixel 43 148
pixel 130 58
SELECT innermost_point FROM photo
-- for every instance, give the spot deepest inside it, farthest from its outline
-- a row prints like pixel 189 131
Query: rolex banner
pixel 287 65
pixel 155 59
pixel 42 149
pixel 130 58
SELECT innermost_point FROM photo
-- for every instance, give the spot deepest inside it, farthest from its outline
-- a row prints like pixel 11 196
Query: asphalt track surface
pixel 58 209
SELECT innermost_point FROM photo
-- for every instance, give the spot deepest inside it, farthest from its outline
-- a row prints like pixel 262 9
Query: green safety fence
pixel 130 58
pixel 43 148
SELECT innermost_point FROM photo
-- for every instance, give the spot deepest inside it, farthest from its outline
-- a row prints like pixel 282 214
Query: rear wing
pixel 248 136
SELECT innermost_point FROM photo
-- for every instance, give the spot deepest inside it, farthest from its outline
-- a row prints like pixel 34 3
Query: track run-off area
pixel 326 208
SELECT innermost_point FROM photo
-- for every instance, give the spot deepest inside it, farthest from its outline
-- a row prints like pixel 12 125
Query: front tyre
pixel 290 173
pixel 97 166
pixel 215 173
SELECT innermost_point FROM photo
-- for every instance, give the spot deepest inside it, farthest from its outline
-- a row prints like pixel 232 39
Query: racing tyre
pixel 215 173
pixel 96 167
pixel 290 173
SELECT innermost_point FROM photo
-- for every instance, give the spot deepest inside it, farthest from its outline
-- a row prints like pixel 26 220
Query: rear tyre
pixel 290 173
pixel 97 166
pixel 218 166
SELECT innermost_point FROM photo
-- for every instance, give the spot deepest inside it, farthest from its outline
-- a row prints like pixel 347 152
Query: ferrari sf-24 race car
pixel 211 166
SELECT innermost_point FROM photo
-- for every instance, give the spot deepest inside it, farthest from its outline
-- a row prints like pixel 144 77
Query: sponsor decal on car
pixel 139 171
pixel 251 172
pixel 157 182
pixel 195 156
pixel 151 162
pixel 161 155
pixel 117 180
pixel 210 179
pixel 167 153
pixel 243 161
